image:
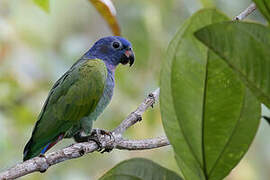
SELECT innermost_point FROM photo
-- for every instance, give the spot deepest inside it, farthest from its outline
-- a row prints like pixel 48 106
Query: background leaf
pixel 205 108
pixel 43 4
pixel 140 169
pixel 108 12
pixel 264 7
pixel 245 47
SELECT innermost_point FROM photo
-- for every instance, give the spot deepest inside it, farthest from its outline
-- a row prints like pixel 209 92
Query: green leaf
pixel 43 4
pixel 120 177
pixel 208 114
pixel 264 7
pixel 245 47
pixel 139 169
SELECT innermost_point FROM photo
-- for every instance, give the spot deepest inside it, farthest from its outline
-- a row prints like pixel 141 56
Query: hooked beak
pixel 128 58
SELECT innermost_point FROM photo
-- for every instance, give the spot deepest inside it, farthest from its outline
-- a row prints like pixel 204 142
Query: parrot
pixel 79 96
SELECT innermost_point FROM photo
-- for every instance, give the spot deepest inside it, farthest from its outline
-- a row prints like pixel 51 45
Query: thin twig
pixel 246 12
pixel 136 116
pixel 143 144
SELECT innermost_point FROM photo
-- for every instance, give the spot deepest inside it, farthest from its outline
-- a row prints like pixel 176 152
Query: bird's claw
pixel 100 132
pixel 95 136
pixel 106 149
pixel 96 140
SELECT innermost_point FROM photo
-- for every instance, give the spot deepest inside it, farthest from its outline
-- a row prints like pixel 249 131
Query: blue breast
pixel 106 97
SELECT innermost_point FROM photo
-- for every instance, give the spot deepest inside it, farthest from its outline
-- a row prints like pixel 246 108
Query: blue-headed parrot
pixel 79 96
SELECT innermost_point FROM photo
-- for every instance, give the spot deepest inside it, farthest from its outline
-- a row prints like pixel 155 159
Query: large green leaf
pixel 208 115
pixel 246 48
pixel 139 169
pixel 264 7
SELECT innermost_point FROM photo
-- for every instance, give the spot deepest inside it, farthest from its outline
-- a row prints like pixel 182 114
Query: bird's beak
pixel 129 57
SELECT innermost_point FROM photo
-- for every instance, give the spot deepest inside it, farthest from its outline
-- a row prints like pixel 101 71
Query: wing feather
pixel 72 97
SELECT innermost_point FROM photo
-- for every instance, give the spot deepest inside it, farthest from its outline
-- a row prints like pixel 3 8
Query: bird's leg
pixel 101 132
pixel 96 137
pixel 79 138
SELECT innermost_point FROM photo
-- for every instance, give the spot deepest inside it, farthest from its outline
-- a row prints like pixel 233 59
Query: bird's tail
pixel 27 152
pixel 32 149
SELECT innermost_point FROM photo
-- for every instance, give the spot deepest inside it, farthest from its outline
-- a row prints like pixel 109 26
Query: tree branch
pixel 41 164
pixel 246 12
pixel 143 144
pixel 136 116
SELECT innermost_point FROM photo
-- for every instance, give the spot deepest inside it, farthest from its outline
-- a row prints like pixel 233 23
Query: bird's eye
pixel 116 45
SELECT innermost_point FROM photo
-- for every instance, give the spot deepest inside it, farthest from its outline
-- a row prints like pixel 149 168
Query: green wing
pixel 75 95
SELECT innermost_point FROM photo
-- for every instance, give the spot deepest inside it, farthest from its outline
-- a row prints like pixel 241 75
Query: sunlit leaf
pixel 208 114
pixel 246 48
pixel 43 4
pixel 108 12
pixel 139 169
pixel 264 7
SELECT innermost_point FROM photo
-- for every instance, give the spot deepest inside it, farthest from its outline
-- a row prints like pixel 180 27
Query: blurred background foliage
pixel 36 48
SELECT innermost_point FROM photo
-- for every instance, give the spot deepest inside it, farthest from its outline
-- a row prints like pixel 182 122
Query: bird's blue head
pixel 112 50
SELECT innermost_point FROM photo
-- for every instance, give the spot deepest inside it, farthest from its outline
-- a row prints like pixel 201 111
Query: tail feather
pixel 33 149
pixel 27 150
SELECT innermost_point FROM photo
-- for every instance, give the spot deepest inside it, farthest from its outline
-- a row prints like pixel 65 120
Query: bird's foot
pixel 99 132
pixel 97 141
pixel 93 137
pixel 96 136
pixel 106 149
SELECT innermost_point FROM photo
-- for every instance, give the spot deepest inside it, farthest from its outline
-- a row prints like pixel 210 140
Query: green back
pixel 73 96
